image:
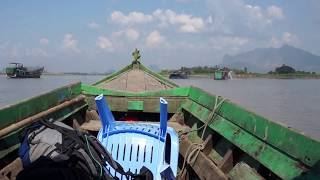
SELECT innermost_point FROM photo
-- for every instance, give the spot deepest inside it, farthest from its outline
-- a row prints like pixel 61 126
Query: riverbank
pixel 207 75
pixel 259 75
pixel 278 76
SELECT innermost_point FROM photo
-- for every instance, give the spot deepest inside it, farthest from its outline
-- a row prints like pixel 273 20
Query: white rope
pixel 190 157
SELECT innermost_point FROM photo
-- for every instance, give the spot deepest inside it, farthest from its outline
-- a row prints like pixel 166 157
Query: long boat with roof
pixel 17 70
pixel 217 139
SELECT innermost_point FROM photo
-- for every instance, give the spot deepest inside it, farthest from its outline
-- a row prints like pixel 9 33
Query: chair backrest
pixel 134 145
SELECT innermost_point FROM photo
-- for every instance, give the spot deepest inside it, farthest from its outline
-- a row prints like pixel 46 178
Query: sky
pixel 99 36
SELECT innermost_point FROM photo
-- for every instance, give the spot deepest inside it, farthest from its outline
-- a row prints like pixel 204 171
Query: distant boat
pixel 17 70
pixel 222 74
pixel 178 75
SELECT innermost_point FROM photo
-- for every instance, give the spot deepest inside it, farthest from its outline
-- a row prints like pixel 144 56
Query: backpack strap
pixel 73 144
pixel 25 141
pixel 82 145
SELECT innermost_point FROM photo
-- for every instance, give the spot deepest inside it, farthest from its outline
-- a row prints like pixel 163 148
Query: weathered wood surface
pixel 92 125
pixel 95 125
pixel 243 171
pixel 203 166
pixel 211 170
pixel 135 80
pixel 11 171
pixel 31 119
pixel 151 104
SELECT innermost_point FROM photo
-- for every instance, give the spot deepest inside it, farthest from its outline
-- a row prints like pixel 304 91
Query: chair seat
pixel 137 145
pixel 134 145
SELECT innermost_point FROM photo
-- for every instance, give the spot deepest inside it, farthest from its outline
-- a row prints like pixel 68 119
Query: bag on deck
pixel 63 151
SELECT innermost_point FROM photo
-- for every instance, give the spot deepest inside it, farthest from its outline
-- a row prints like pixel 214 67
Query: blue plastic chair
pixel 134 145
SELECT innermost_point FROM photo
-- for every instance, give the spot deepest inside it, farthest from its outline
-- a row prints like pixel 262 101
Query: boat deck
pixel 134 80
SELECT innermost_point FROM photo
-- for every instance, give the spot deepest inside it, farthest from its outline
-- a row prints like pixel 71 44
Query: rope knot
pixel 195 148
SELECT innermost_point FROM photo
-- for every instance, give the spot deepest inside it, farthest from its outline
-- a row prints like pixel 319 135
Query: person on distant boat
pixel 136 56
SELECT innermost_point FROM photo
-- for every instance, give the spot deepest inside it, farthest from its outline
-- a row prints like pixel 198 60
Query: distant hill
pixel 267 59
pixel 154 68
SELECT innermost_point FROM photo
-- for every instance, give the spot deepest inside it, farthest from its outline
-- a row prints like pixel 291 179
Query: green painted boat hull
pixel 220 75
pixel 238 144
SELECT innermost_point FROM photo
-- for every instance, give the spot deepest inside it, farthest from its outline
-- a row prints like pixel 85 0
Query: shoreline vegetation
pixel 279 76
pixel 207 72
pixel 209 75
pixel 258 75
pixel 282 72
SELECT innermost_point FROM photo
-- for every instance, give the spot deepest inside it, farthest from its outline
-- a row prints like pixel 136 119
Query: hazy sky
pixel 98 36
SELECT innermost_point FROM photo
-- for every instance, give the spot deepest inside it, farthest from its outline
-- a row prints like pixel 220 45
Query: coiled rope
pixel 192 153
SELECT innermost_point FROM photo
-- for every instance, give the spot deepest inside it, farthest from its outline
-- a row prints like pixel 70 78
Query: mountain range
pixel 267 59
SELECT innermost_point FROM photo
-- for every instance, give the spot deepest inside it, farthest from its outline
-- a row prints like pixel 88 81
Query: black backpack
pixel 53 150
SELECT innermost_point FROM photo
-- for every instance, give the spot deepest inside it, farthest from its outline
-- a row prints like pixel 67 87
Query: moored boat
pixel 178 75
pixel 222 74
pixel 17 70
pixel 218 139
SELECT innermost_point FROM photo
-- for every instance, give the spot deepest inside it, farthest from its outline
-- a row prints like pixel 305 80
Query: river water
pixel 13 90
pixel 291 102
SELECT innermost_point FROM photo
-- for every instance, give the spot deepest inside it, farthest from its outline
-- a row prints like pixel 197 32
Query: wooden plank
pixel 36 117
pixel 150 104
pixel 92 125
pixel 91 115
pixel 203 166
pixel 207 145
pixel 134 80
pixel 95 125
pixel 135 105
pixel 276 161
pixel 284 138
pixel 174 92
pixel 227 162
pixel 11 171
pixel 243 171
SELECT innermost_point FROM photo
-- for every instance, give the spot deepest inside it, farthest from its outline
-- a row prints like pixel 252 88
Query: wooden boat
pixel 221 74
pixel 218 139
pixel 17 70
pixel 178 75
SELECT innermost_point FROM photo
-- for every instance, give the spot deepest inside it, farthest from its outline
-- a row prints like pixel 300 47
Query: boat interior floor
pixel 199 147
